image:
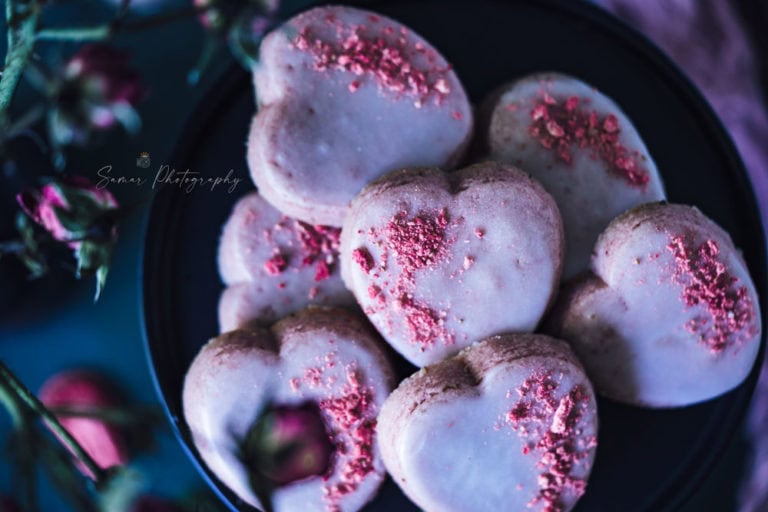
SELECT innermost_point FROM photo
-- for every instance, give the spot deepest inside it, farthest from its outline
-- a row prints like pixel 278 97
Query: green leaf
pixel 30 256
pixel 35 263
pixel 75 225
pixel 121 489
pixel 61 132
pixel 26 229
pixel 210 46
pixel 127 116
pixel 245 35
pixel 93 258
pixel 101 280
pixel 82 205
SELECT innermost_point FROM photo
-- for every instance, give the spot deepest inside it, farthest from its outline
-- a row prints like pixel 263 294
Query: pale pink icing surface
pixel 345 96
pixel 325 356
pixel 670 317
pixel 580 145
pixel 513 430
pixel 440 261
pixel 275 265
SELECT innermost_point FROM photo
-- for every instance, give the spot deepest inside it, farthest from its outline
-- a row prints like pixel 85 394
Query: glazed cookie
pixel 275 265
pixel 327 358
pixel 438 261
pixel 509 424
pixel 670 316
pixel 581 147
pixel 346 95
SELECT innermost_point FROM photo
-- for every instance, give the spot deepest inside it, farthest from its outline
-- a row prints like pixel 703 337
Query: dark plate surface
pixel 647 460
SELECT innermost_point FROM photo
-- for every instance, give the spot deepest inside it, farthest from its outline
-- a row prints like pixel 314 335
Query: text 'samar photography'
pixel 166 175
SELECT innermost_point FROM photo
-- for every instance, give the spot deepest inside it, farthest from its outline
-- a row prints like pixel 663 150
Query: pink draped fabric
pixel 708 41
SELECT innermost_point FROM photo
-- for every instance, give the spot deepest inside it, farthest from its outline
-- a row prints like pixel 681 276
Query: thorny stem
pixel 74 34
pixel 22 18
pixel 114 416
pixel 21 23
pixel 12 387
pixel 101 32
pixel 21 420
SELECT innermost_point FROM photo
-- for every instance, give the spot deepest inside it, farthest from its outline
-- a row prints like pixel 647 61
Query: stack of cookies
pixel 517 281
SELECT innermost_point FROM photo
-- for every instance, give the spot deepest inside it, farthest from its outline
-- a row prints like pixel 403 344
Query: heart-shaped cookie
pixel 438 261
pixel 509 424
pixel 275 265
pixel 670 316
pixel 346 95
pixel 324 356
pixel 580 145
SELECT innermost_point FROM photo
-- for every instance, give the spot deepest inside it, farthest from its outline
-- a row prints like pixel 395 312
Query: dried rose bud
pixel 288 444
pixel 74 211
pixel 87 391
pixel 243 23
pixel 97 90
pixel 69 208
pixel 220 15
pixel 154 504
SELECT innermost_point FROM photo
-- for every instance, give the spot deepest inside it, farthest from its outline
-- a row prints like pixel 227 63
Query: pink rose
pixel 79 389
pixel 242 24
pixel 69 208
pixel 74 211
pixel 288 444
pixel 96 90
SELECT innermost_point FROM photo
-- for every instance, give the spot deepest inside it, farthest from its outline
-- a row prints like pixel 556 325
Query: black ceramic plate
pixel 647 460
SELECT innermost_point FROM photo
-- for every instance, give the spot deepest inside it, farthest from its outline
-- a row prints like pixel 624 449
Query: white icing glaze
pixel 456 450
pixel 232 379
pixel 631 324
pixel 254 233
pixel 501 261
pixel 224 391
pixel 588 194
pixel 314 143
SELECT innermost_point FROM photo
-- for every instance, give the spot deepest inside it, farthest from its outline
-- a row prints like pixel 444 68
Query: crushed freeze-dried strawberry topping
pixel 387 55
pixel 418 241
pixel 706 281
pixel 550 427
pixel 424 323
pixel 275 265
pixel 306 246
pixel 562 125
pixel 362 257
pixel 353 419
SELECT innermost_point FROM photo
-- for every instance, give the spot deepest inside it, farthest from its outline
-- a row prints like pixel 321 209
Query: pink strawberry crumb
pixel 362 257
pixel 562 126
pixel 729 310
